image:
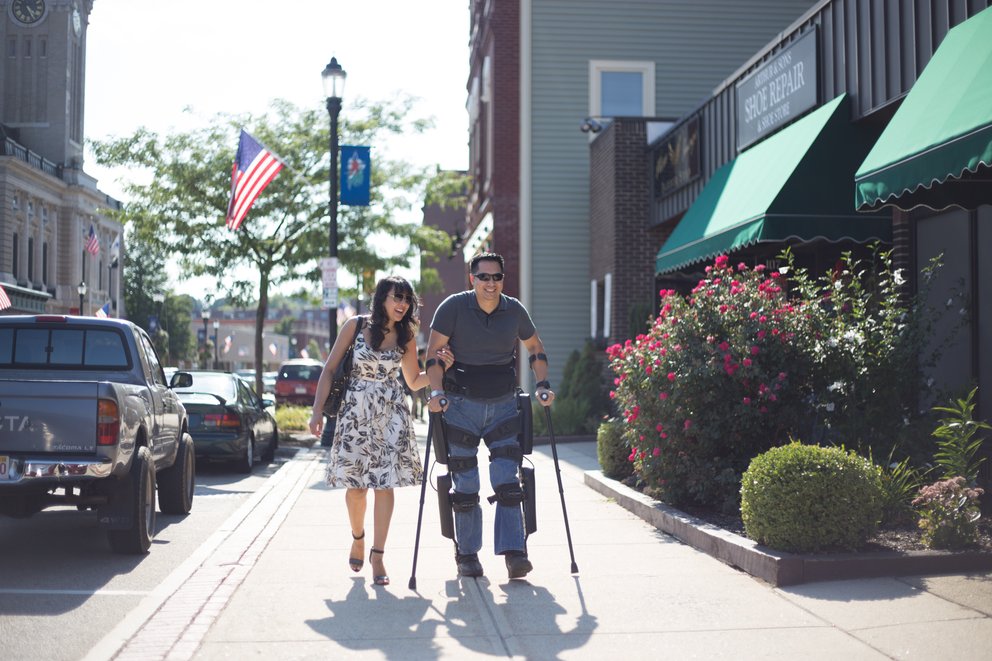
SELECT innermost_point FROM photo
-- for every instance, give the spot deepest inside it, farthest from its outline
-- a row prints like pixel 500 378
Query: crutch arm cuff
pixel 534 357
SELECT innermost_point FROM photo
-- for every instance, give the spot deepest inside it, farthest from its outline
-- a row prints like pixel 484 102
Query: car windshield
pixel 215 384
pixel 300 372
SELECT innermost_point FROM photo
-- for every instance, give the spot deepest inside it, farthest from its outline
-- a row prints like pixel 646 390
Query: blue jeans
pixel 479 417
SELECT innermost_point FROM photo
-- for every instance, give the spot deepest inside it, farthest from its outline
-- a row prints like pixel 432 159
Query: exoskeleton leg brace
pixel 517 494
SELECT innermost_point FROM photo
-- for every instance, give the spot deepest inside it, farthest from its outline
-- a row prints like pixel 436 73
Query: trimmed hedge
pixel 613 453
pixel 805 498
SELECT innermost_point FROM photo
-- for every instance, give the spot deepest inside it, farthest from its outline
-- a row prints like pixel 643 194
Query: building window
pixel 44 263
pixel 12 47
pixel 14 266
pixel 17 202
pixel 99 276
pixel 27 48
pixel 618 88
pixel 43 48
pixel 30 259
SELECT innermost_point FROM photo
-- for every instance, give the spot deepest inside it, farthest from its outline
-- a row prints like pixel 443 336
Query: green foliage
pixel 179 186
pixel 752 357
pixel 949 513
pixel 807 498
pixel 958 439
pixel 292 418
pixel 639 318
pixel 569 417
pixel 900 481
pixel 612 451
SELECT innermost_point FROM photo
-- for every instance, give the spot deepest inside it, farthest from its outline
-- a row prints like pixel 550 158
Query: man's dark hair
pixel 485 256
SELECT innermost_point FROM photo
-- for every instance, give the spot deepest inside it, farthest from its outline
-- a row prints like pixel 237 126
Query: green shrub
pixel 752 356
pixel 292 418
pixel 806 498
pixel 569 417
pixel 959 439
pixel 613 453
pixel 949 514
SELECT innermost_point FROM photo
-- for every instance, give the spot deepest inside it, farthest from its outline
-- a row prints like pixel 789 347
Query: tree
pixel 181 201
pixel 143 278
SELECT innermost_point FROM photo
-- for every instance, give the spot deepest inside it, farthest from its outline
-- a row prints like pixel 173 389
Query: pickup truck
pixel 88 419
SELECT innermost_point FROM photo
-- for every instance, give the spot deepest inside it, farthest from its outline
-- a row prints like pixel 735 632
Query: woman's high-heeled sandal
pixel 378 580
pixel 356 564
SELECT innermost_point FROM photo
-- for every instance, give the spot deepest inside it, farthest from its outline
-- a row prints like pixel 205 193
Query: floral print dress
pixel 374 443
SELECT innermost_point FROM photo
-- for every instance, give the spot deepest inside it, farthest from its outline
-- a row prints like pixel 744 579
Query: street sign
pixel 329 280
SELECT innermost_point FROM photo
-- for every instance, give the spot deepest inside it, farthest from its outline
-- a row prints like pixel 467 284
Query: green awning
pixel 792 185
pixel 942 133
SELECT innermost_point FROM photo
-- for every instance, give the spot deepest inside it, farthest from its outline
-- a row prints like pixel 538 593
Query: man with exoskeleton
pixel 478 395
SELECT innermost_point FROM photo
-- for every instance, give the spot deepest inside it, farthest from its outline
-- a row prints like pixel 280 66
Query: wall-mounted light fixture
pixel 591 125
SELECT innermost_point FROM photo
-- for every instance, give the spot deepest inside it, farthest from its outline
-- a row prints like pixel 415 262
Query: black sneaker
pixel 468 564
pixel 517 564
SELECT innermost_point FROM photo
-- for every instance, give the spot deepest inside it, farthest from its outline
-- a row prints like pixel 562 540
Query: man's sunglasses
pixel 486 277
pixel 402 298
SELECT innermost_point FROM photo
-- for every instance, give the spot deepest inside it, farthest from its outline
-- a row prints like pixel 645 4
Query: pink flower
pixel 656 452
pixel 747 362
pixel 721 261
pixel 742 266
pixel 759 268
pixel 781 376
pixel 663 396
pixel 671 376
pixel 753 315
pixel 723 309
pixel 687 424
pixel 747 401
pixel 664 435
pixel 613 394
pixel 761 335
pixel 755 351
pixel 724 346
pixel 647 369
pixel 658 427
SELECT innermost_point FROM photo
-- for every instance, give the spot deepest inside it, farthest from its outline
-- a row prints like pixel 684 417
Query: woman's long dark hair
pixel 406 327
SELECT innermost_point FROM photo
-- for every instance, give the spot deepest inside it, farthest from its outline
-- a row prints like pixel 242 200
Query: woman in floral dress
pixel 374 443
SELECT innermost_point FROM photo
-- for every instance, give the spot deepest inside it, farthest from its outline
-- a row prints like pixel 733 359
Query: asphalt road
pixel 62 589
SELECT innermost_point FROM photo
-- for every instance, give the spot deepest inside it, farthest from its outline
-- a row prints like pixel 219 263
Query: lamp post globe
pixel 333 78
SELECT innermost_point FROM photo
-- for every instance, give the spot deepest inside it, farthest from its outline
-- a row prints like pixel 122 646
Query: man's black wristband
pixel 538 356
pixel 543 384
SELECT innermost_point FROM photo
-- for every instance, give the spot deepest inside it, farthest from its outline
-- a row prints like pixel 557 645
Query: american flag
pixel 92 242
pixel 254 167
pixel 4 299
pixel 103 312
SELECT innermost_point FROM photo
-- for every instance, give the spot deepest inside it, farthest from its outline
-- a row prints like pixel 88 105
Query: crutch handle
pixel 543 396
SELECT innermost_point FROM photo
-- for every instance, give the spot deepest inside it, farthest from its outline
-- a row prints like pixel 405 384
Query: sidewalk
pixel 274 583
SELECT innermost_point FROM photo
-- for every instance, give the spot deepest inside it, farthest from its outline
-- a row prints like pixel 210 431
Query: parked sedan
pixel 228 421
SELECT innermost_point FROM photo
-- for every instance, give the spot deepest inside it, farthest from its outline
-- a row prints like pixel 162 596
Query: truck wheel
pixel 138 488
pixel 247 459
pixel 176 483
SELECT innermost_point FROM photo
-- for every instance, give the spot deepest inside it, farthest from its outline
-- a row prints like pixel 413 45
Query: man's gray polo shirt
pixel 477 338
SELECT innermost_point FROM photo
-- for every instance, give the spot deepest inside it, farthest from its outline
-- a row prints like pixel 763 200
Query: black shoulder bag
pixel 342 376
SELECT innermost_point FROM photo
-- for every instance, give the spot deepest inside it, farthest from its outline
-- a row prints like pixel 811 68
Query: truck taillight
pixel 108 422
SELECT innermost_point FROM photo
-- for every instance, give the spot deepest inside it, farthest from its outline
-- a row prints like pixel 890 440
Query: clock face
pixel 28 12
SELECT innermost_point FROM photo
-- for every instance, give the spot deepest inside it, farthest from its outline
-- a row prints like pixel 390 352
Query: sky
pixel 149 61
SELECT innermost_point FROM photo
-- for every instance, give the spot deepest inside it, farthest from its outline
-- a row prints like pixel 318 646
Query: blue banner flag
pixel 356 174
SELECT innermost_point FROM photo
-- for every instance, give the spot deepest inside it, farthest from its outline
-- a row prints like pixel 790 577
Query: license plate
pixel 301 390
pixel 5 468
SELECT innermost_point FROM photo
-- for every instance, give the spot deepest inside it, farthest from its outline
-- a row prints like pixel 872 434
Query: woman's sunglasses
pixel 486 277
pixel 402 298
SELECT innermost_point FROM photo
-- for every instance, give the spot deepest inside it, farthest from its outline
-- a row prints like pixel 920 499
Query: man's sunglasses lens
pixel 486 277
pixel 403 298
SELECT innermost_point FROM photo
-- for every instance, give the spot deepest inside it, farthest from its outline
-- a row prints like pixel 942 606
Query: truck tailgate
pixel 57 417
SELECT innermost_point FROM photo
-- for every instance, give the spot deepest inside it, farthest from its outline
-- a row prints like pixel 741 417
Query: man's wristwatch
pixel 543 384
pixel 436 393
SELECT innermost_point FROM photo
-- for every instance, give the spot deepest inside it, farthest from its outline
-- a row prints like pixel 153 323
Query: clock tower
pixel 42 76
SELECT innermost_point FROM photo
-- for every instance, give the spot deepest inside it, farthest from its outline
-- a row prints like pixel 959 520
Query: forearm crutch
pixel 561 489
pixel 432 418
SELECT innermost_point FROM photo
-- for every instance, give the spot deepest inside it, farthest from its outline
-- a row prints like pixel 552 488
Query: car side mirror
pixel 181 380
pixel 268 401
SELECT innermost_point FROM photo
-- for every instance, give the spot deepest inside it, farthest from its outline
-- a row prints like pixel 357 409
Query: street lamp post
pixel 81 288
pixel 333 77
pixel 205 315
pixel 216 350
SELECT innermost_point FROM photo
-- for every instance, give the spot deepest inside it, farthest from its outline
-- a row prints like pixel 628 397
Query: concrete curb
pixel 778 567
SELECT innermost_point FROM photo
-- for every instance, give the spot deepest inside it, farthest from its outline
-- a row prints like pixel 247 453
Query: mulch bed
pixel 906 538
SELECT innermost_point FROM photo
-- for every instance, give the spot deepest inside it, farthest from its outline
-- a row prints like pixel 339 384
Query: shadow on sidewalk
pixel 413 627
